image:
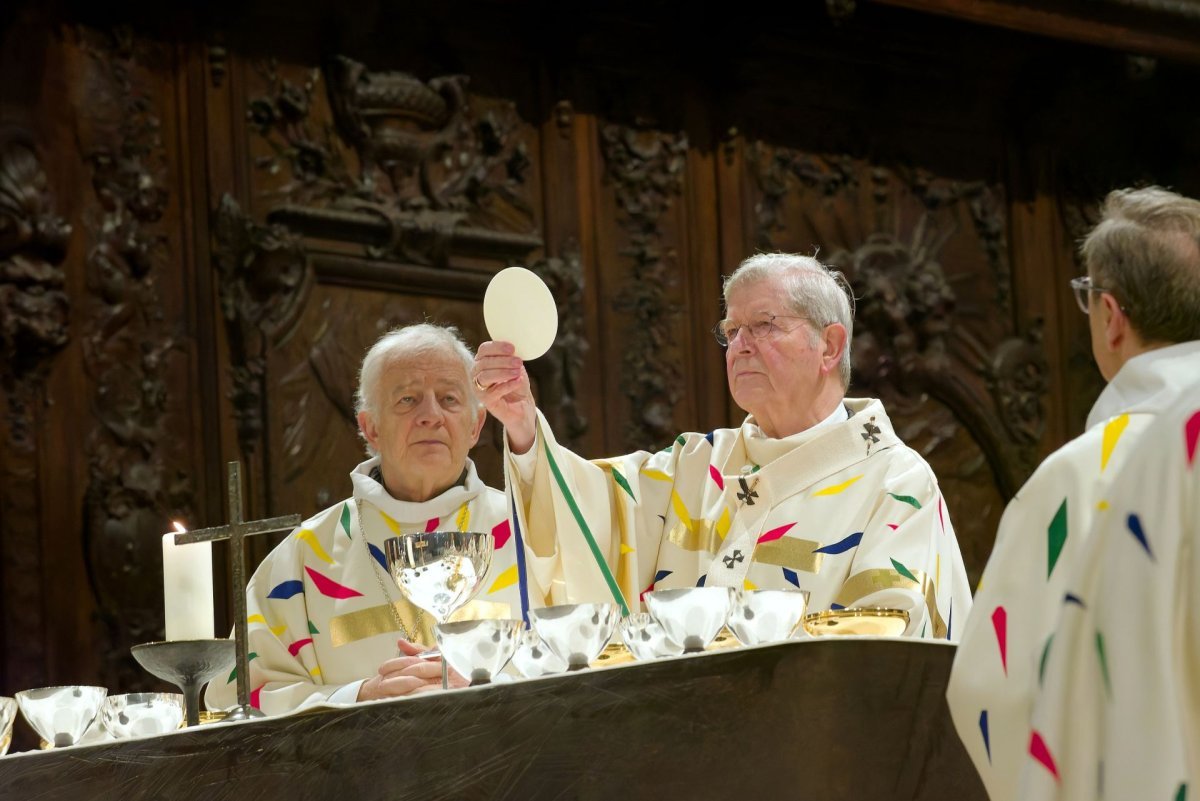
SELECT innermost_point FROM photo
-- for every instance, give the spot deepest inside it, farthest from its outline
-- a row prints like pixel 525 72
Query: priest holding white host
pixel 813 492
pixel 325 615
pixel 1142 297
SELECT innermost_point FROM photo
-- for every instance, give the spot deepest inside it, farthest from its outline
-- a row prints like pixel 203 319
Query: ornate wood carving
pixel 434 178
pixel 135 485
pixel 559 373
pixel 33 306
pixel 925 328
pixel 264 282
pixel 33 327
pixel 646 169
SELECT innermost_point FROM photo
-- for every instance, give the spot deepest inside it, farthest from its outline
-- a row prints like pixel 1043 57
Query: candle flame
pixel 179 527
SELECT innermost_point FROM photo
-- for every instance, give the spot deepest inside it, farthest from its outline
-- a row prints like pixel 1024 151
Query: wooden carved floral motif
pixel 33 327
pixel 934 330
pixel 646 169
pixel 558 375
pixel 132 348
pixel 264 282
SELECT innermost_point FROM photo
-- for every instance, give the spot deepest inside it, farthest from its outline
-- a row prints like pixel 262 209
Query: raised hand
pixel 503 386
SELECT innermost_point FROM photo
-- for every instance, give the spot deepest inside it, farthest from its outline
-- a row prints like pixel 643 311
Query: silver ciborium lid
pixel 478 649
pixel 692 616
pixel 763 616
pixel 61 715
pixel 576 633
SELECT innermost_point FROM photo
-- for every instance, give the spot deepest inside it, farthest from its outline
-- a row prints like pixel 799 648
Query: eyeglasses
pixel 725 331
pixel 1083 287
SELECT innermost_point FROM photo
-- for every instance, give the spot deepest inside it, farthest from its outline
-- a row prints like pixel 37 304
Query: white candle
pixel 187 589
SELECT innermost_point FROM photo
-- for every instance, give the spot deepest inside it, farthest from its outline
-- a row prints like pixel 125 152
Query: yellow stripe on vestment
pixel 837 488
pixel 463 520
pixel 681 511
pixel 309 537
pixel 860 585
pixel 701 535
pixel 374 620
pixel 1113 430
pixel 723 524
pixel 276 630
pixel 656 475
pixel 392 524
pixel 505 579
pixel 792 553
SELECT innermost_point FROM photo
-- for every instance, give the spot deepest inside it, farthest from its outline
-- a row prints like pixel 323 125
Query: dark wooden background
pixel 207 212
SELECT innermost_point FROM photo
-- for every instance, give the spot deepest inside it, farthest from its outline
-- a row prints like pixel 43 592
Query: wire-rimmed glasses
pixel 726 331
pixel 1083 287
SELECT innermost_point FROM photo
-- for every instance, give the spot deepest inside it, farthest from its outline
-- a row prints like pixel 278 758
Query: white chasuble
pixel 324 613
pixel 1042 533
pixel 844 510
pixel 1117 714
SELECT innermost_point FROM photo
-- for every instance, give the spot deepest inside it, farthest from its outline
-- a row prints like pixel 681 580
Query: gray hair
pixel 421 339
pixel 815 292
pixel 1146 252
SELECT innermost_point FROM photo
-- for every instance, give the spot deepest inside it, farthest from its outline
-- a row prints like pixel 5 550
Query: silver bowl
pixel 576 633
pixel 646 638
pixel 691 616
pixel 439 571
pixel 762 616
pixel 61 715
pixel 8 715
pixel 141 714
pixel 478 649
pixel 534 658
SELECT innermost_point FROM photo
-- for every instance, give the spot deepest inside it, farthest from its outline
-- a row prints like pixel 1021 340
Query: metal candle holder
pixel 236 532
pixel 188 664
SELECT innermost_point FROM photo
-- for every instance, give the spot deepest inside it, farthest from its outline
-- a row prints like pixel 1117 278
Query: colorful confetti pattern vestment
pixel 1044 530
pixel 845 511
pixel 1117 714
pixel 318 618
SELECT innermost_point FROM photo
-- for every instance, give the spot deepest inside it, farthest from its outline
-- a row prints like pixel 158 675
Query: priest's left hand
pixel 407 674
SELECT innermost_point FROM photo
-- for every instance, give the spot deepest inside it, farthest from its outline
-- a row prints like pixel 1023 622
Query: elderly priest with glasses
pixel 325 615
pixel 814 491
pixel 1142 297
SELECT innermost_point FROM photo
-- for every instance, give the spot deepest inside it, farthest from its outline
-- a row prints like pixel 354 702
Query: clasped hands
pixel 407 674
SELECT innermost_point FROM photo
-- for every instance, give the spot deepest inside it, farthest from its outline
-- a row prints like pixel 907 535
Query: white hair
pixel 813 291
pixel 421 339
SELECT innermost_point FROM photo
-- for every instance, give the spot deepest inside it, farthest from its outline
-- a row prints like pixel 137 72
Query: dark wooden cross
pixel 236 532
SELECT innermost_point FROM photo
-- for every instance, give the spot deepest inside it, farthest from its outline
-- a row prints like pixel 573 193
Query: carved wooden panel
pixel 935 336
pixel 135 344
pixel 34 311
pixel 387 200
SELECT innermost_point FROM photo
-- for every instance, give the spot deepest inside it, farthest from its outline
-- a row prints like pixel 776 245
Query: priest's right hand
pixel 503 386
pixel 406 675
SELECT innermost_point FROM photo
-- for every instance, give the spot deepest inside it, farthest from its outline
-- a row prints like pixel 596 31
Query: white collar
pixel 763 450
pixel 1148 381
pixel 448 502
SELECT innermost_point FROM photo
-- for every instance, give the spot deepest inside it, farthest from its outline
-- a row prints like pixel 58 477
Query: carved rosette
pixel 33 327
pixel 646 170
pixel 264 281
pixel 136 477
